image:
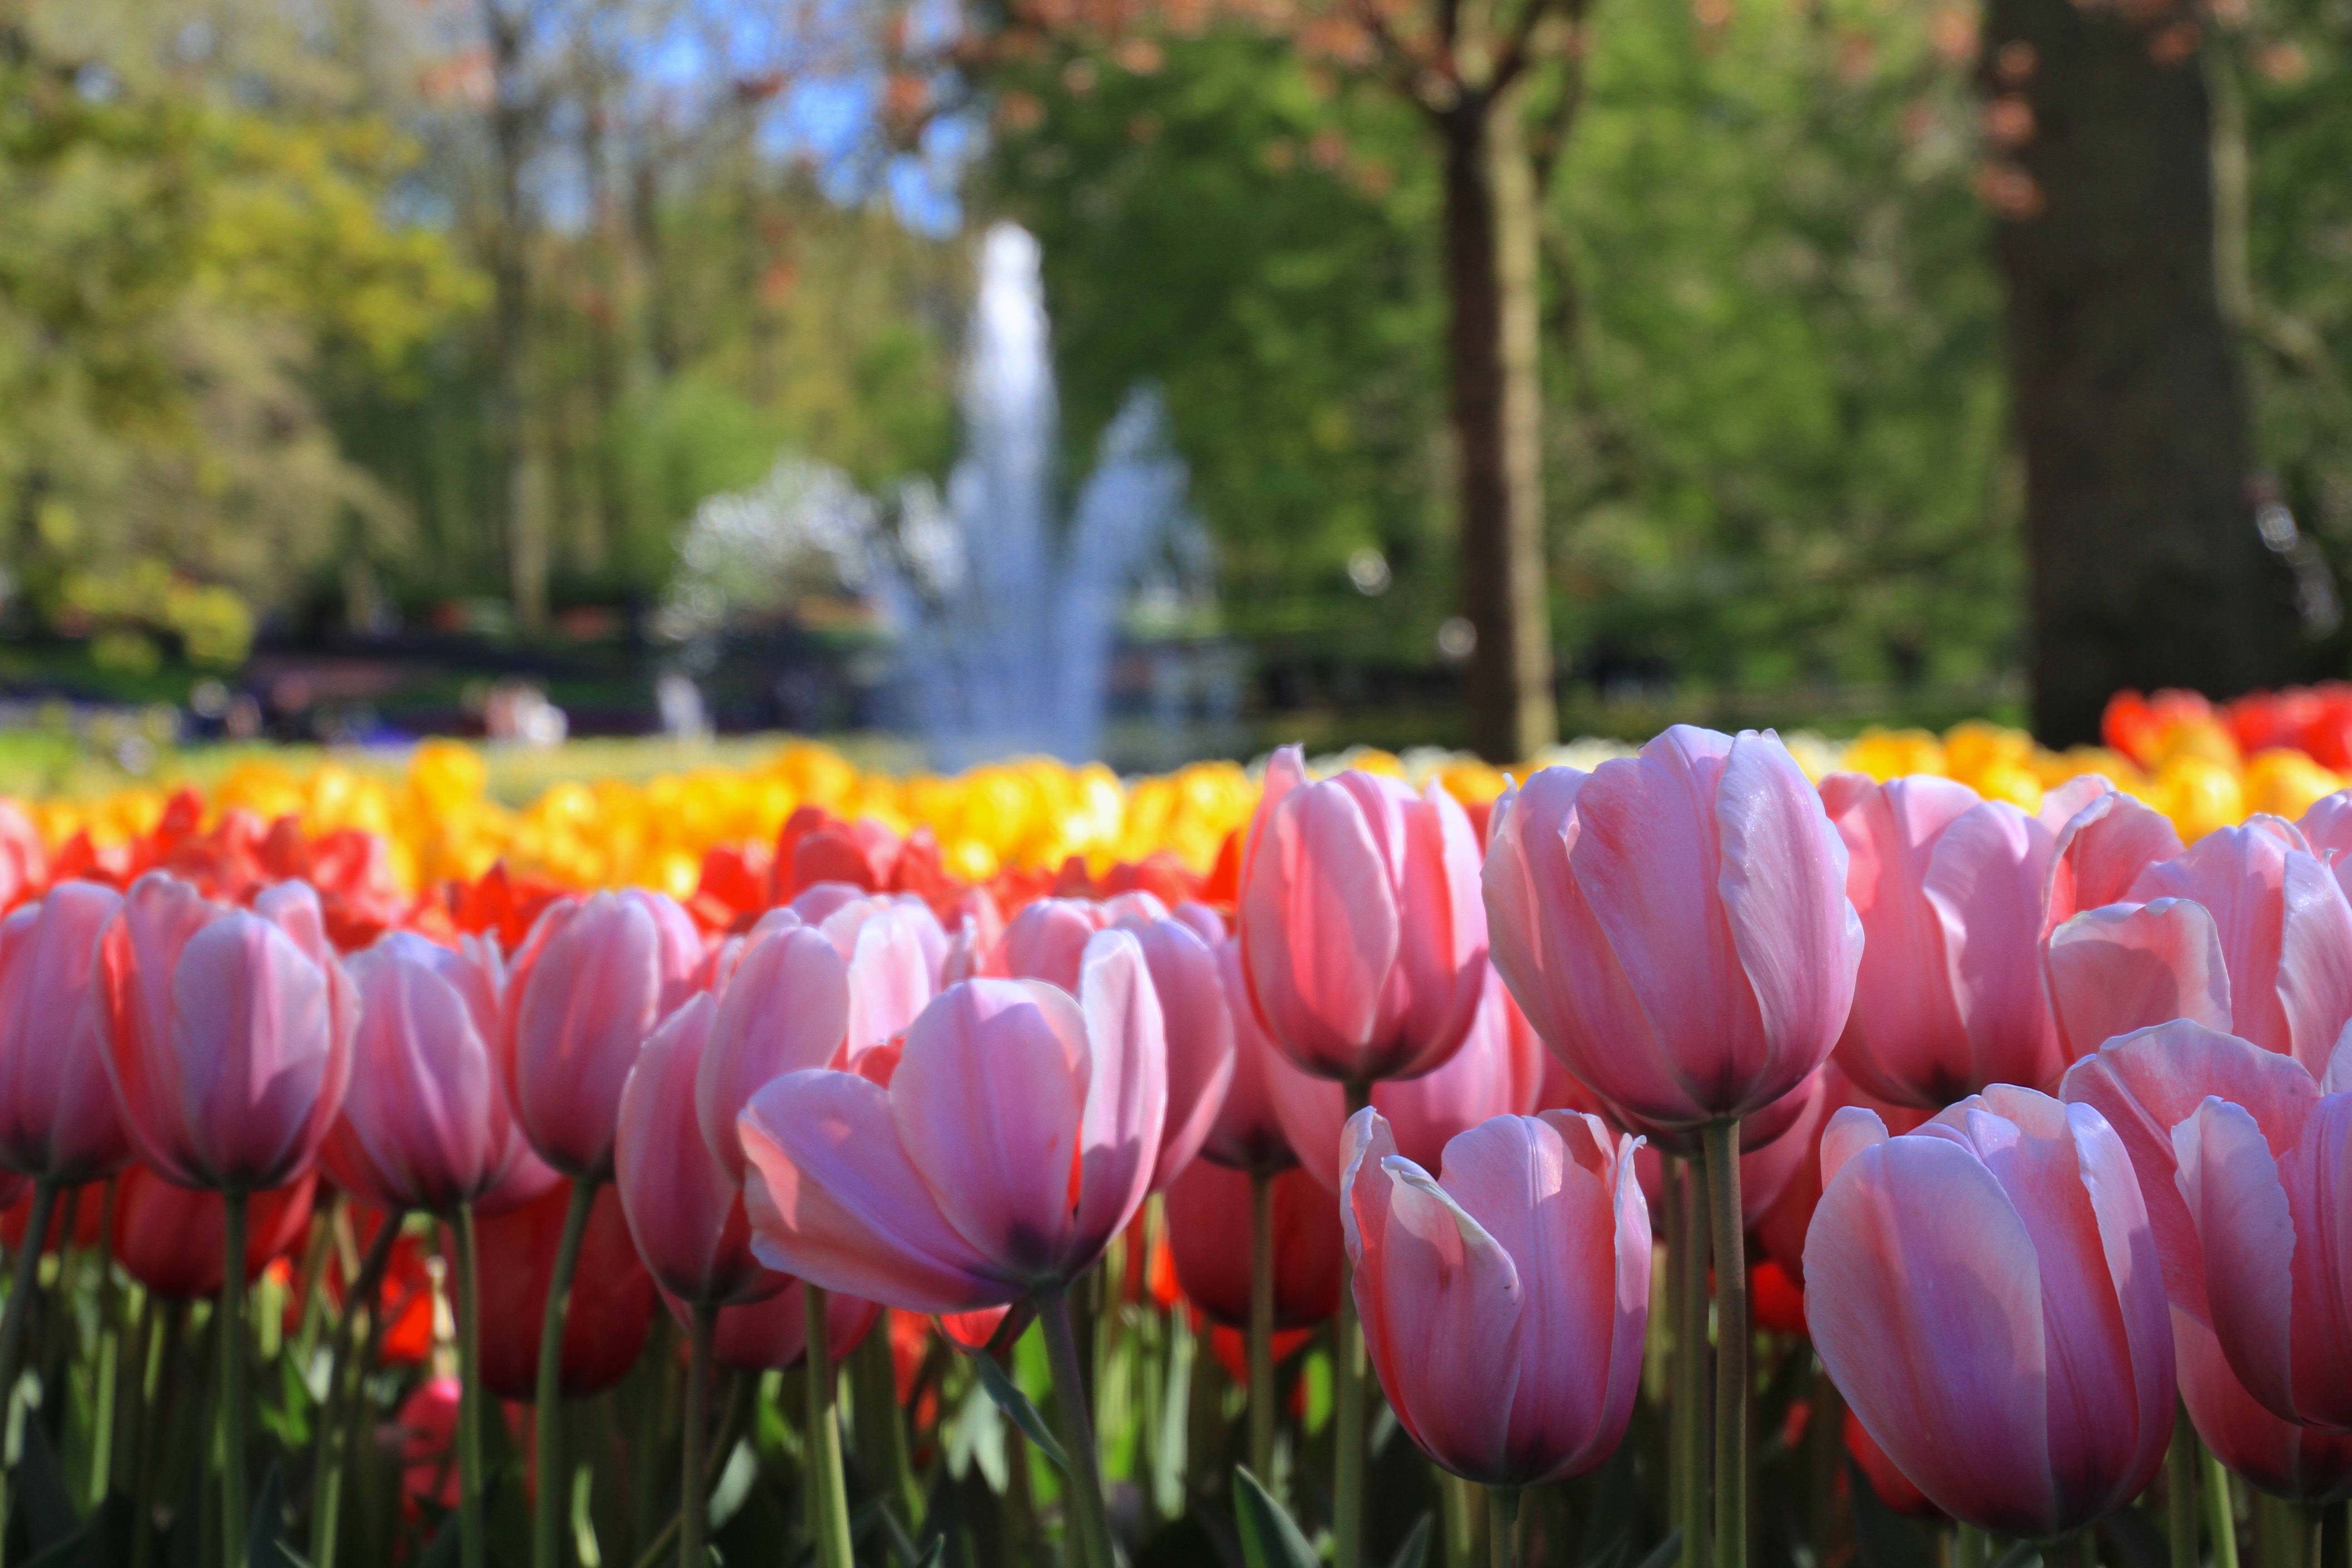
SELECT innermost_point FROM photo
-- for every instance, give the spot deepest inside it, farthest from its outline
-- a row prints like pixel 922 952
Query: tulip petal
pixel 2101 852
pixel 890 975
pixel 833 1198
pixel 2317 1175
pixel 987 1102
pixel 2315 968
pixel 1904 1007
pixel 1984 882
pixel 785 1008
pixel 1126 1107
pixel 2123 967
pixel 1852 1130
pixel 1923 1296
pixel 2230 1184
pixel 1319 923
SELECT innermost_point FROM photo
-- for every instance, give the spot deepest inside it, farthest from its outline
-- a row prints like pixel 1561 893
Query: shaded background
pixel 363 362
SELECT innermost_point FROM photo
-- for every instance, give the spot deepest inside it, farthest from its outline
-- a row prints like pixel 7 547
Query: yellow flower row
pixel 441 821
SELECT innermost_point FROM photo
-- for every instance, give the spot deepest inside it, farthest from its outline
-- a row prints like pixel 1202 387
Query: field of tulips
pixel 1259 1167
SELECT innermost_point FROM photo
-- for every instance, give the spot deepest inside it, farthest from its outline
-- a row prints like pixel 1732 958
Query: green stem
pixel 1972 1549
pixel 473 1539
pixel 1720 1142
pixel 1348 1375
pixel 2221 1511
pixel 1687 1442
pixel 693 1499
pixel 547 1527
pixel 1091 1521
pixel 881 1434
pixel 20 1292
pixel 2334 1538
pixel 232 1371
pixel 1503 1526
pixel 1261 1327
pixel 2180 1489
pixel 359 1305
pixel 828 1495
pixel 110 1356
pixel 157 1422
pixel 2086 1547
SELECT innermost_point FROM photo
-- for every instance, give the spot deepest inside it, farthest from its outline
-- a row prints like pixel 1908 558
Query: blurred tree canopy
pixel 251 335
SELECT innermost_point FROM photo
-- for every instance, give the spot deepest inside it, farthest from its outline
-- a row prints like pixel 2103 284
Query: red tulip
pixel 1503 1302
pixel 1363 939
pixel 1893 1487
pixel 1209 1240
pixel 1676 925
pixel 1016 1138
pixel 425 1125
pixel 1949 887
pixel 1497 1072
pixel 1986 1294
pixel 170 1237
pixel 770 1334
pixel 589 986
pixel 2266 909
pixel 684 1211
pixel 612 1303
pixel 1247 1133
pixel 57 1119
pixel 228 1031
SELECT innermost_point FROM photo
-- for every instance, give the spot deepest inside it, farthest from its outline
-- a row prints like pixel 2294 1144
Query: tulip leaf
pixel 264 1535
pixel 1270 1537
pixel 1016 1403
pixel 1668 1551
pixel 2024 1554
pixel 103 1542
pixel 41 1491
pixel 1415 1553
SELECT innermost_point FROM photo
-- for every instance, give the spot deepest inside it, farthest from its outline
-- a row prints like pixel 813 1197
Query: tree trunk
pixel 1497 408
pixel 2147 568
pixel 510 118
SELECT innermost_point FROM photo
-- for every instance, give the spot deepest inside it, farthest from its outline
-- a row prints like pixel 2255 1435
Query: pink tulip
pixel 894 949
pixel 2101 851
pixel 590 984
pixel 2263 1185
pixel 2272 914
pixel 1016 1138
pixel 228 1031
pixel 1199 1028
pixel 783 1007
pixel 1247 1133
pixel 1676 924
pixel 771 1334
pixel 2146 1084
pixel 1986 1294
pixel 1504 1303
pixel 2327 827
pixel 1048 940
pixel 684 1209
pixel 58 1120
pixel 1363 939
pixel 1949 887
pixel 425 1124
pixel 1498 1071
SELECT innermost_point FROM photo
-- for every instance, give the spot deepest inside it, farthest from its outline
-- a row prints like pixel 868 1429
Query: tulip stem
pixel 829 1505
pixel 359 1296
pixel 1720 1142
pixel 27 1281
pixel 2180 1489
pixel 1973 1548
pixel 1687 1254
pixel 1503 1526
pixel 2334 1539
pixel 693 1498
pixel 1091 1523
pixel 232 1368
pixel 1261 1325
pixel 2221 1509
pixel 1348 1399
pixel 472 1540
pixel 546 1532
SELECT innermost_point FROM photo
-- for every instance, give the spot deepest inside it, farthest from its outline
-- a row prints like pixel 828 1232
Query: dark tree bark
pixel 512 116
pixel 2146 569
pixel 1497 405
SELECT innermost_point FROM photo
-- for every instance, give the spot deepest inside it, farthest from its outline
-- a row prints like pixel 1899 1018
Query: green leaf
pixel 1270 1538
pixel 937 1556
pixel 50 1513
pixel 265 1534
pixel 1415 1552
pixel 103 1542
pixel 1016 1405
pixel 2024 1554
pixel 1670 1550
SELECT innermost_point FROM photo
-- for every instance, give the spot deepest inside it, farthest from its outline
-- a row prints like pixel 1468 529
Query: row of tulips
pixel 2031 1123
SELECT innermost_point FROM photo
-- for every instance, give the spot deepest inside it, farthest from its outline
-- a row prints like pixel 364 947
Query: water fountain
pixel 1006 615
